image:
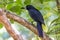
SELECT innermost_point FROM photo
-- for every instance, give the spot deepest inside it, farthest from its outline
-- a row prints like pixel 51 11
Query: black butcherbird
pixel 36 16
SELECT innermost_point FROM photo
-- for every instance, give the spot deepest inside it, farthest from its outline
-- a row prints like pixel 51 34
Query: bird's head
pixel 28 7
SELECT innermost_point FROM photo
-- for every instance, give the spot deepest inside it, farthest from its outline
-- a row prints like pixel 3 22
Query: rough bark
pixel 9 28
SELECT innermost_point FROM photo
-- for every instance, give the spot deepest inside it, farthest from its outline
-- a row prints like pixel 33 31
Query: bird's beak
pixel 23 7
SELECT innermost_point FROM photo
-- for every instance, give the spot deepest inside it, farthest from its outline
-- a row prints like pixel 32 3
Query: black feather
pixel 36 16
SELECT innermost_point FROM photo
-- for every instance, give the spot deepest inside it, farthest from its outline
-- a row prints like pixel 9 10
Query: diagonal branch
pixel 9 28
pixel 58 5
pixel 23 22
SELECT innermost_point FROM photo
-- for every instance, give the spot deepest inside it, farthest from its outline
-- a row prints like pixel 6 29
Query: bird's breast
pixel 33 16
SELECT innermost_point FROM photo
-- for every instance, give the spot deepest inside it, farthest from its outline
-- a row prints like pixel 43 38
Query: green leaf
pixel 1 6
pixel 8 6
pixel 55 20
pixel 1 25
pixel 55 28
pixel 11 0
pixel 27 2
pixel 46 0
pixel 12 21
pixel 16 9
pixel 41 1
pixel 19 2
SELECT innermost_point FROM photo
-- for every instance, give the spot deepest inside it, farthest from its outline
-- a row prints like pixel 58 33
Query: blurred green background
pixel 48 8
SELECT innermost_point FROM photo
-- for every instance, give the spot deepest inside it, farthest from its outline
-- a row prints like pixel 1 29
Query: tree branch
pixel 58 5
pixel 23 22
pixel 9 28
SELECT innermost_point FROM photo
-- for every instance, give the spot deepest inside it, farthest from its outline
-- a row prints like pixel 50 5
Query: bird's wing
pixel 39 16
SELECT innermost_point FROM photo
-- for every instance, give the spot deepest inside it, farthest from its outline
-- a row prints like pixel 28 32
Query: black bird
pixel 36 16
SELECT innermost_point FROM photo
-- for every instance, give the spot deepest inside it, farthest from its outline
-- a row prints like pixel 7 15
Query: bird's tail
pixel 39 28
